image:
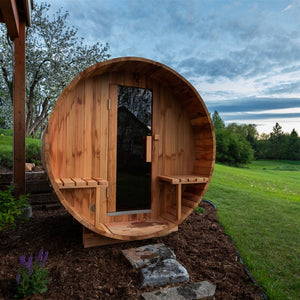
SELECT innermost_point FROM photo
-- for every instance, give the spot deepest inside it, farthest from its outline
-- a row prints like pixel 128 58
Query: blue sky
pixel 242 56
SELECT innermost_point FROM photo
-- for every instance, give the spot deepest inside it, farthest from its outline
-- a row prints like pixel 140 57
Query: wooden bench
pixel 96 183
pixel 179 180
pixel 79 183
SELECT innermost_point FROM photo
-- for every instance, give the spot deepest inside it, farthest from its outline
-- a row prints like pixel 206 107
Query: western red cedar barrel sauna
pixel 129 148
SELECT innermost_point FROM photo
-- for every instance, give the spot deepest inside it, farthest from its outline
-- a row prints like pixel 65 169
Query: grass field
pixel 6 149
pixel 259 207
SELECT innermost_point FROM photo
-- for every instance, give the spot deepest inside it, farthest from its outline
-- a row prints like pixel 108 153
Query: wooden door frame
pixel 112 152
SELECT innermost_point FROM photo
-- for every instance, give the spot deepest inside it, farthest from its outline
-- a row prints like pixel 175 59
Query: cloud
pixel 294 4
pixel 249 116
pixel 286 88
pixel 253 104
pixel 251 61
pixel 287 8
pixel 213 68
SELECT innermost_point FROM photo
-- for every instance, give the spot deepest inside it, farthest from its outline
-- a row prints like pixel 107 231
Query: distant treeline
pixel 240 144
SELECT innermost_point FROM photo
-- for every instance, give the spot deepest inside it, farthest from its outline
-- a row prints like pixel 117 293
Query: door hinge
pixel 107 192
pixel 108 104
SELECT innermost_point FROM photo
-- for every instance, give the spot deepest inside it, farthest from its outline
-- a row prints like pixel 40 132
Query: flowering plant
pixel 32 276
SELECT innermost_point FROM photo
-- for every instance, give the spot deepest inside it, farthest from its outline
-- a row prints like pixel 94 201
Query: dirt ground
pixel 200 245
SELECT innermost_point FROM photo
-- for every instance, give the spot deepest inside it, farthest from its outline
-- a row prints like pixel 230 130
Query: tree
pixel 217 121
pixel 248 131
pixel 294 146
pixel 276 141
pixel 54 55
pixel 232 148
pixel 279 145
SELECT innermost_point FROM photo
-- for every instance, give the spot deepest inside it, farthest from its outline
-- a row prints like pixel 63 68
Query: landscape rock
pixel 193 291
pixel 168 271
pixel 145 255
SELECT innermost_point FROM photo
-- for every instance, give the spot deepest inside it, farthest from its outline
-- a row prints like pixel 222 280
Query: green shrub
pixel 199 210
pixel 7 132
pixel 6 159
pixel 33 154
pixel 2 122
pixel 10 207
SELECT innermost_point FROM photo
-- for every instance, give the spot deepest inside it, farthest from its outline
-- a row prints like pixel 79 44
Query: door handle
pixel 148 148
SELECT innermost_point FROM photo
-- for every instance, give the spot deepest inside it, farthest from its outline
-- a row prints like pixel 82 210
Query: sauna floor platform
pixel 138 228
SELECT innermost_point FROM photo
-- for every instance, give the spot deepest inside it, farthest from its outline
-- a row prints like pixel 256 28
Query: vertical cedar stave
pixel 78 137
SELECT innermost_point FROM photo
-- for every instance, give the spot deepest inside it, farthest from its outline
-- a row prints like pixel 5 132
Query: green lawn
pixel 259 206
pixel 6 149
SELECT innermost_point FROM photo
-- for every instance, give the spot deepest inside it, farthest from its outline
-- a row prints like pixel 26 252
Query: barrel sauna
pixel 129 148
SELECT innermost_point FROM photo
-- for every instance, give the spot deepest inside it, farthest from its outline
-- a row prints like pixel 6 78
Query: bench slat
pixel 68 182
pixel 79 182
pixel 101 181
pixel 90 182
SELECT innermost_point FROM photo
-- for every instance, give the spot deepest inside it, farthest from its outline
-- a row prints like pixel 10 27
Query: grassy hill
pixel 259 206
pixel 33 149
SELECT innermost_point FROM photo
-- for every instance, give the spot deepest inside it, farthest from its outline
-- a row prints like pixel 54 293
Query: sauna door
pixel 130 144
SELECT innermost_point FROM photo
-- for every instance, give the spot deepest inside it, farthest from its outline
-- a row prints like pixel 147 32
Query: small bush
pixel 33 154
pixel 7 132
pixel 2 122
pixel 199 210
pixel 6 159
pixel 11 208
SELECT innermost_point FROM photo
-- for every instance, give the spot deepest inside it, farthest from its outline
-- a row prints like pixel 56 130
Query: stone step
pixel 167 271
pixel 193 291
pixel 145 255
pixel 159 267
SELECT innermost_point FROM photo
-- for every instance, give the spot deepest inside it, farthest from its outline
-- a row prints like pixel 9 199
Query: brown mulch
pixel 102 273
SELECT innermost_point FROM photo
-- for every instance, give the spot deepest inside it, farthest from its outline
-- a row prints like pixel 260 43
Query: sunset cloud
pixel 245 52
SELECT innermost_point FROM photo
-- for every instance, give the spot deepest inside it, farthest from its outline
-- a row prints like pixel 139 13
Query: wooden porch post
pixel 19 112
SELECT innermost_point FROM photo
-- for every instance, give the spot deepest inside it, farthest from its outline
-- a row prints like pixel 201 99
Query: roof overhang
pixel 14 11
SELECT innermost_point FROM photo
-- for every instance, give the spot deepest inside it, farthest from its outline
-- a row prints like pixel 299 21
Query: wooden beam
pixel 10 16
pixel 19 111
pixel 178 200
pixel 27 11
pixel 199 121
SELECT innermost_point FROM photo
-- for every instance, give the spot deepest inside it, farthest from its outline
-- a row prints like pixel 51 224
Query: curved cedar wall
pixel 80 153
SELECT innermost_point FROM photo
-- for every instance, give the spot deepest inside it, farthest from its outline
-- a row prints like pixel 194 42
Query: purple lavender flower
pixel 40 256
pixel 45 259
pixel 22 260
pixel 29 265
pixel 18 278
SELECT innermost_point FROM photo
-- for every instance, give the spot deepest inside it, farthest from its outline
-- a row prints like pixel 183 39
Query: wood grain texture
pixel 80 150
pixel 112 147
pixel 19 106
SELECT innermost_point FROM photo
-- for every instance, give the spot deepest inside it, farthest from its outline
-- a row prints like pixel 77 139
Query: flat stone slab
pixel 167 271
pixel 193 291
pixel 145 255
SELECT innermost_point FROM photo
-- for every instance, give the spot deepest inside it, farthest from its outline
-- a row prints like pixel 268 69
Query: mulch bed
pixel 102 273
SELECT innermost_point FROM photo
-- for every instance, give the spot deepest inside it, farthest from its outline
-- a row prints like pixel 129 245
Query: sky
pixel 243 57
